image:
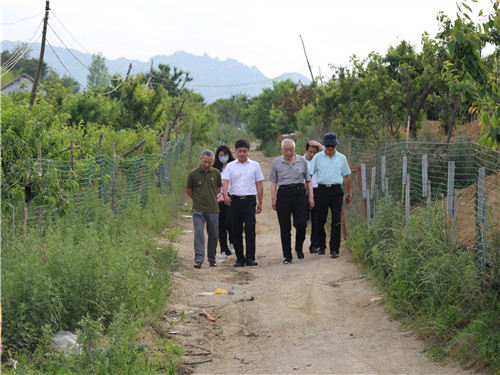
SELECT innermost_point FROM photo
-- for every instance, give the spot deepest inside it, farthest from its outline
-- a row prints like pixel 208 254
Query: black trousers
pixel 291 200
pixel 314 222
pixel 329 198
pixel 243 218
pixel 225 229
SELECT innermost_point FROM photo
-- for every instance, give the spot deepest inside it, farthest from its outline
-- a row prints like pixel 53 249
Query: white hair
pixel 287 140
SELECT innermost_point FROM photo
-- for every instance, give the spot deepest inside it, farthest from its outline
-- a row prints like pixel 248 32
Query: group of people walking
pixel 228 195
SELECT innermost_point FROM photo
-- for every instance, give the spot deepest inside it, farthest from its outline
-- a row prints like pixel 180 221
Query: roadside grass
pixel 433 286
pixel 97 274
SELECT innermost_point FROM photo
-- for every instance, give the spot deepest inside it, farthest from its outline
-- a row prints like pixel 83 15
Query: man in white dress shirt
pixel 246 178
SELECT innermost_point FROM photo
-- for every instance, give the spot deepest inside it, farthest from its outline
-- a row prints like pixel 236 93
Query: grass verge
pixel 433 286
pixel 95 274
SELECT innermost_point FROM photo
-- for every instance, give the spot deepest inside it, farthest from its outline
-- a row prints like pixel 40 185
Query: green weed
pixel 433 285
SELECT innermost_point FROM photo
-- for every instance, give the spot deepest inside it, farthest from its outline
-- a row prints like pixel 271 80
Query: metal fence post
pixel 424 175
pixel 482 211
pixel 407 200
pixel 451 197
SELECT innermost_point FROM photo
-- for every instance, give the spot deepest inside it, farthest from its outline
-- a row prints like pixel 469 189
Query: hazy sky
pixel 261 33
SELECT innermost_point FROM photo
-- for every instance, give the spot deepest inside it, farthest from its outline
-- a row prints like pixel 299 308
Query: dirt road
pixel 317 315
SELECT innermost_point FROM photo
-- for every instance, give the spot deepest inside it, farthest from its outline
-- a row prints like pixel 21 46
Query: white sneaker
pixel 232 248
pixel 223 256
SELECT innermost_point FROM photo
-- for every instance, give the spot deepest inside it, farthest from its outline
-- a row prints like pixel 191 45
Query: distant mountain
pixel 212 77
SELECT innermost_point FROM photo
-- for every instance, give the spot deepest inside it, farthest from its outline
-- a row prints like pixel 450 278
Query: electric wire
pixel 21 20
pixel 64 27
pixel 81 84
pixel 14 63
pixel 27 45
pixel 72 54
pixel 21 51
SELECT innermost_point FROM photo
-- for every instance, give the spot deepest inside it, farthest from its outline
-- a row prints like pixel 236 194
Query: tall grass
pixel 88 269
pixel 435 287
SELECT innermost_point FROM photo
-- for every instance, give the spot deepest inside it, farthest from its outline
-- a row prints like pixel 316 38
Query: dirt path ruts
pixel 317 315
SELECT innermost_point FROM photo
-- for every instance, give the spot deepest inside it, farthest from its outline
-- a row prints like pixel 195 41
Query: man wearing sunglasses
pixel 331 170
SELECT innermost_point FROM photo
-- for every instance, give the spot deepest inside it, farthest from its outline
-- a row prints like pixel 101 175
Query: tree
pixel 476 75
pixel 417 73
pixel 230 110
pixel 275 110
pixel 172 80
pixel 98 77
pixel 24 65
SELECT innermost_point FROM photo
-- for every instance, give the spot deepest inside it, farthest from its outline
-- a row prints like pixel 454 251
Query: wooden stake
pixel 137 146
pixel 115 176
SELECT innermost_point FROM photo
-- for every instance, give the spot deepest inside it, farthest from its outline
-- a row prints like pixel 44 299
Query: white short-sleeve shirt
pixel 313 179
pixel 242 177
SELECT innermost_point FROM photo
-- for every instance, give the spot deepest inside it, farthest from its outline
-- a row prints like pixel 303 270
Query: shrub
pixel 89 263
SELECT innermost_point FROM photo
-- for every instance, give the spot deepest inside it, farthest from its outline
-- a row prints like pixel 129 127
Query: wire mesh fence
pixel 110 181
pixel 463 179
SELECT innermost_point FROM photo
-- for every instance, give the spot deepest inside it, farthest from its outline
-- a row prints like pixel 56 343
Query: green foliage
pixel 202 122
pixel 473 74
pixel 228 134
pixel 88 107
pixel 98 78
pixel 24 65
pixel 21 128
pixel 109 271
pixel 273 112
pixel 173 80
pixel 230 111
pixel 436 287
pixel 478 345
pixel 112 261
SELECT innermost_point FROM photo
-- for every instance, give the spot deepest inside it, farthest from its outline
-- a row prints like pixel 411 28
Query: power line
pixel 82 85
pixel 72 54
pixel 27 44
pixel 235 84
pixel 21 20
pixel 20 52
pixel 69 33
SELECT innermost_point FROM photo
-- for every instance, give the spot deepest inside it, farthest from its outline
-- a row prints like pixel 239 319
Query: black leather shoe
pixel 321 251
pixel 300 255
pixel 334 254
pixel 313 249
pixel 239 264
pixel 252 263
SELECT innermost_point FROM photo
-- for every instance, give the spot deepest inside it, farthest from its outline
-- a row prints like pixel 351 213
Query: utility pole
pixel 126 79
pixel 42 51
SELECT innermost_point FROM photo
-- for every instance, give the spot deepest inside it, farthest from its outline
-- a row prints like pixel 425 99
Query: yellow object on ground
pixel 220 291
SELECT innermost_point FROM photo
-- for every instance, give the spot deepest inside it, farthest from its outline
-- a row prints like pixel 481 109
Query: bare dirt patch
pixel 317 315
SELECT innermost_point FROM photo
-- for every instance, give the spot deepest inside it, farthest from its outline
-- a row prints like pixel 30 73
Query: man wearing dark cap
pixel 331 170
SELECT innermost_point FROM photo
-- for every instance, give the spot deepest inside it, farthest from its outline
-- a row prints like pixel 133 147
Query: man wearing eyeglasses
pixel 331 170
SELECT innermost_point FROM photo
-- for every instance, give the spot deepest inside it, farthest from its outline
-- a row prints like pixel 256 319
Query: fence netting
pixel 114 182
pixel 463 179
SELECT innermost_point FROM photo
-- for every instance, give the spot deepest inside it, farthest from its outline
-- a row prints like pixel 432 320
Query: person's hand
pixel 311 203
pixel 220 197
pixel 348 199
pixel 227 201
pixel 274 204
pixel 259 208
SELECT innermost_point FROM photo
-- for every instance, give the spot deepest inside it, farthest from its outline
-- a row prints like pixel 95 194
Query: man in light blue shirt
pixel 331 170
